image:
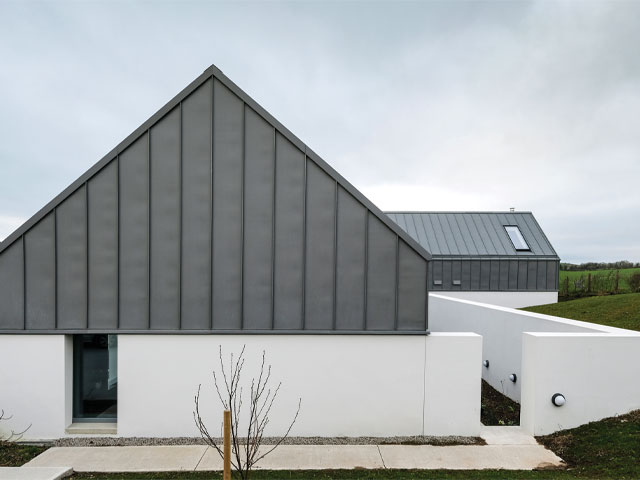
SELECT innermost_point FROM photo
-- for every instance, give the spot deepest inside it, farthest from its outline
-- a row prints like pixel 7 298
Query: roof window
pixel 519 243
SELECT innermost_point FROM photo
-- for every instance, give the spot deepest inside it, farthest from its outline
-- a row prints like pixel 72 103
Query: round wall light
pixel 486 363
pixel 558 399
pixel 513 377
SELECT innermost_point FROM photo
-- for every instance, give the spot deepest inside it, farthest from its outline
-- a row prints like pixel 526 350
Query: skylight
pixel 519 243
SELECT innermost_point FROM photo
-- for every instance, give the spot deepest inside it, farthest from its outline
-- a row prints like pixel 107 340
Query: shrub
pixel 634 282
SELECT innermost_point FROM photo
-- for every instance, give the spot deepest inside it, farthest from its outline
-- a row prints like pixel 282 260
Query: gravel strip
pixel 149 441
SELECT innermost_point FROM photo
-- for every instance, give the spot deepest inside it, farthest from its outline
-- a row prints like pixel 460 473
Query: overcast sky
pixel 421 105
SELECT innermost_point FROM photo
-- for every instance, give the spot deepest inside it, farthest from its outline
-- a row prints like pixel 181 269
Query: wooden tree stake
pixel 227 445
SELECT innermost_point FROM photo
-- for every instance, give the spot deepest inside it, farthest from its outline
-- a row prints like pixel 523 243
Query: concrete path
pixel 507 448
pixel 506 436
pixel 34 473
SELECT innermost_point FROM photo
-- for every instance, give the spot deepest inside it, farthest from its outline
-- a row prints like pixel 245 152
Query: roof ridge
pixel 455 211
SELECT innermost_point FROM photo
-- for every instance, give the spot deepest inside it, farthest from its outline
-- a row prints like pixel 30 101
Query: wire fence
pixel 607 282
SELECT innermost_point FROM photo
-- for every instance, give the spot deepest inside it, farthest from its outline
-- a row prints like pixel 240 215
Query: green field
pixel 622 311
pixel 602 281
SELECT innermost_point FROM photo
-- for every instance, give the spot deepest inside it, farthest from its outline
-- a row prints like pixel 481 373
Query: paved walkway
pixel 34 473
pixel 507 448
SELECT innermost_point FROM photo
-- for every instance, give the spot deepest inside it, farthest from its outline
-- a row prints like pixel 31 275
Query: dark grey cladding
pixel 212 217
pixel 472 251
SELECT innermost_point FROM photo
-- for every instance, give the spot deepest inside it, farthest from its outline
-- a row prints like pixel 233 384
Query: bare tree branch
pixel 246 450
pixel 12 436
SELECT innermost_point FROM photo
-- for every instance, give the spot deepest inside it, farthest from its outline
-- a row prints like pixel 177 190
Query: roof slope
pixel 212 72
pixel 474 234
pixel 212 216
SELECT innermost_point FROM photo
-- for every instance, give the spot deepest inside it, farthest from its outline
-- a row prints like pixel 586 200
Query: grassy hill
pixel 622 311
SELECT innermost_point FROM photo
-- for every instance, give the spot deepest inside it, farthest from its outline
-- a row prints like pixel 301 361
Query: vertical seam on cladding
pixel 242 191
pixel 453 235
pixel 273 230
pixel 55 267
pixel 435 235
pixel 366 267
pixel 149 228
pixel 211 178
pixel 86 218
pixel 119 242
pixel 304 244
pixel 415 225
pixel 180 227
pixel 466 223
pixel 475 224
pixel 426 295
pixel 24 283
pixel 335 257
pixel 397 282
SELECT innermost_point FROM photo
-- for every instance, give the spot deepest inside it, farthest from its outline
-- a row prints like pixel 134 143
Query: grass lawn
pixel 622 311
pixel 14 455
pixel 608 449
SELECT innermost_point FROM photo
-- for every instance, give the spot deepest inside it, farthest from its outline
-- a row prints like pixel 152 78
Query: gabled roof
pixel 474 234
pixel 212 216
pixel 212 71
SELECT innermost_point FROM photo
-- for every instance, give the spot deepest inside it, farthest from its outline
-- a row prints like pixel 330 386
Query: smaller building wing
pixel 477 234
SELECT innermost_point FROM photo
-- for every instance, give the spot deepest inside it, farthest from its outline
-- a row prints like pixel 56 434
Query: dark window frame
pixel 79 414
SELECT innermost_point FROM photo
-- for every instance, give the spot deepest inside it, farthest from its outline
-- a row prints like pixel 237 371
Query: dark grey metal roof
pixel 474 234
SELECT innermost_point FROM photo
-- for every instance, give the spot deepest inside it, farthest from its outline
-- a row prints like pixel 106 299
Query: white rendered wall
pixel 506 299
pixel 599 375
pixel 501 329
pixel 596 367
pixel 351 385
pixel 452 384
pixel 34 376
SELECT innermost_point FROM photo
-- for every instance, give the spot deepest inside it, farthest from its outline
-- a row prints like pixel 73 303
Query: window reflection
pixel 95 377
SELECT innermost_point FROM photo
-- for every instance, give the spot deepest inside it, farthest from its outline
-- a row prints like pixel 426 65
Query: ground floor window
pixel 95 378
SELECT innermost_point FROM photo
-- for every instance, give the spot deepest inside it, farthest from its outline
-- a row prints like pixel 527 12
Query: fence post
pixel 589 284
pixel 227 445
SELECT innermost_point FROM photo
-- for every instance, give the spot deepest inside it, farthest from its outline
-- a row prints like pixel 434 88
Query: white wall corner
pixel 528 385
pixel 596 373
pixel 68 380
pixel 453 363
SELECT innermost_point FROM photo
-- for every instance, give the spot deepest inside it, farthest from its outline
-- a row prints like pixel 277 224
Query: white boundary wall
pixel 549 355
pixel 505 299
pixel 351 385
pixel 599 375
pixel 35 384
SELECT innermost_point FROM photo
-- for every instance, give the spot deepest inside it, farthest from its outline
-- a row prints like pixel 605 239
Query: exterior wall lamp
pixel 513 377
pixel 486 363
pixel 558 399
